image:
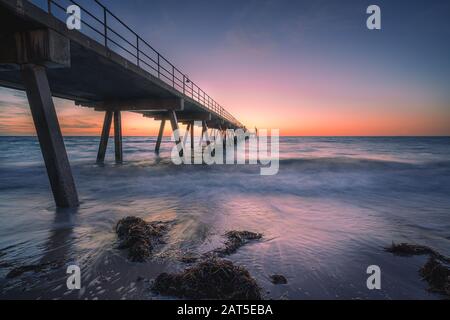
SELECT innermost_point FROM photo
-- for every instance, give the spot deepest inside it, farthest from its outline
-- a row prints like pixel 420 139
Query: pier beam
pixel 176 131
pixel 105 137
pixel 160 135
pixel 186 134
pixel 192 138
pixel 200 143
pixel 49 135
pixel 207 137
pixel 33 52
pixel 224 136
pixel 118 136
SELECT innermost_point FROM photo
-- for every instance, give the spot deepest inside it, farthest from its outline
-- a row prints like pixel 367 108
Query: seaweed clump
pixel 437 275
pixel 18 271
pixel 278 279
pixel 437 269
pixel 139 236
pixel 210 279
pixel 406 249
pixel 235 240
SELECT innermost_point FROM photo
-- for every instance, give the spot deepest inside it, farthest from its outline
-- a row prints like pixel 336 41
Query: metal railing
pixel 141 53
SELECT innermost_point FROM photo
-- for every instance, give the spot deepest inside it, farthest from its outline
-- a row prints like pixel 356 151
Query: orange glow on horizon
pixel 76 121
pixel 295 112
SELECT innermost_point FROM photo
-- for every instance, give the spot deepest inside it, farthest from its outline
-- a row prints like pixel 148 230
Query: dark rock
pixel 139 236
pixel 235 240
pixel 437 275
pixel 210 279
pixel 278 279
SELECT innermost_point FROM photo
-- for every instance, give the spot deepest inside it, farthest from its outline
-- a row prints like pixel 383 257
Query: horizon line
pixel 284 136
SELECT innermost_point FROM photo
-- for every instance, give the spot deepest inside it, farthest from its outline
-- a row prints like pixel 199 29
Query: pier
pixel 101 67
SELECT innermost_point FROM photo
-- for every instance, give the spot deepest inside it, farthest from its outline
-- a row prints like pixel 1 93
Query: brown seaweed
pixel 437 275
pixel 436 271
pixel 278 279
pixel 139 236
pixel 235 240
pixel 406 249
pixel 18 271
pixel 211 279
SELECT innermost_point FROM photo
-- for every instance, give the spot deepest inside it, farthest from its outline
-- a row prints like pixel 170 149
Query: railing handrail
pixel 173 77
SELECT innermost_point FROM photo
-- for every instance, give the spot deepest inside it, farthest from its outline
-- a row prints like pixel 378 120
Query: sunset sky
pixel 307 67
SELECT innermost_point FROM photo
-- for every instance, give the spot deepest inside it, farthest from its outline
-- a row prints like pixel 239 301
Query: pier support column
pixel 204 131
pixel 176 131
pixel 118 136
pixel 49 135
pixel 224 136
pixel 105 137
pixel 192 138
pixel 160 135
pixel 186 134
pixel 207 137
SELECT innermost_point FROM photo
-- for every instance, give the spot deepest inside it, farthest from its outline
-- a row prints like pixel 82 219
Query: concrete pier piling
pixel 32 53
pixel 160 135
pixel 118 137
pixel 176 132
pixel 49 135
pixel 104 137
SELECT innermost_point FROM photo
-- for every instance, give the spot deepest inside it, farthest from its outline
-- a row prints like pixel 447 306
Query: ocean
pixel 327 215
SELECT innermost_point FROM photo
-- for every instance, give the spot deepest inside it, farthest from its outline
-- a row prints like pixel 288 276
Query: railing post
pixel 105 26
pixel 159 73
pixel 173 76
pixel 197 94
pixel 137 50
